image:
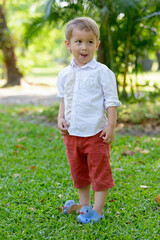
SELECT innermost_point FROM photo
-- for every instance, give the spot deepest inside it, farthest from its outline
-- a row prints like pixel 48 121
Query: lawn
pixel 35 181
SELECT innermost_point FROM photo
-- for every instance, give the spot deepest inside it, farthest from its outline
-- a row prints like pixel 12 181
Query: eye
pixel 90 42
pixel 78 41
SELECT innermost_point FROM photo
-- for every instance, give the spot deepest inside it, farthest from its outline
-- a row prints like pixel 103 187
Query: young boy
pixel 87 89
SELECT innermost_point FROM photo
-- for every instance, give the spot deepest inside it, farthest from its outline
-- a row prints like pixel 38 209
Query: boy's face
pixel 83 45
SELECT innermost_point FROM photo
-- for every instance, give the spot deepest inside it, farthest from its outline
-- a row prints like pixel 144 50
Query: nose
pixel 84 46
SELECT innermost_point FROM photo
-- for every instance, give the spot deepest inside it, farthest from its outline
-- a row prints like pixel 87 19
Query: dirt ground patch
pixel 29 94
pixel 138 130
pixel 47 96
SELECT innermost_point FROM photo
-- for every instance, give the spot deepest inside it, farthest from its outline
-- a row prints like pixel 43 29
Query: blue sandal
pixel 71 207
pixel 88 215
pixel 67 205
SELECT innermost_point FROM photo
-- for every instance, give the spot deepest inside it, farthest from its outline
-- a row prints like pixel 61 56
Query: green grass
pixel 45 75
pixel 30 200
pixel 46 71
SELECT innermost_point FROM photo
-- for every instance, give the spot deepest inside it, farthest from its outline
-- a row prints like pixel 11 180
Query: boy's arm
pixel 62 125
pixel 108 131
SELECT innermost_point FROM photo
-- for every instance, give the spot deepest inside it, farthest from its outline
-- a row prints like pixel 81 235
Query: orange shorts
pixel 89 162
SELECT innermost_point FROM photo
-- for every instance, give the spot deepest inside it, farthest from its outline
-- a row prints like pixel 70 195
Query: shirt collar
pixel 91 64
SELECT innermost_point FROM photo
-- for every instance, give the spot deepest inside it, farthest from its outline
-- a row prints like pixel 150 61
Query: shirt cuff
pixel 114 103
pixel 60 97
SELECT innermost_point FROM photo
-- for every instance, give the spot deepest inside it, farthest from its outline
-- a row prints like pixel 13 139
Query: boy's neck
pixel 74 62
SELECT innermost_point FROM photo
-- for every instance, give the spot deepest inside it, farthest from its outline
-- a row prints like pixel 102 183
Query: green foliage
pixel 138 113
pixel 127 32
pixel 33 29
pixel 42 44
pixel 35 181
pixel 135 113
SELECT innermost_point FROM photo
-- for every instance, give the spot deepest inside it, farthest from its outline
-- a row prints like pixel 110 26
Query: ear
pixel 98 45
pixel 67 43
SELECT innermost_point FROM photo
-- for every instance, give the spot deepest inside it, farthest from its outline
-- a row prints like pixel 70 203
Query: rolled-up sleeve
pixel 60 86
pixel 109 87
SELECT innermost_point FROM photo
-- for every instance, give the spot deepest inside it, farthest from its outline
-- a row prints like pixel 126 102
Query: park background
pixel 35 180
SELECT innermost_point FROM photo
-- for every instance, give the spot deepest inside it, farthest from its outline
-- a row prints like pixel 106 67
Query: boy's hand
pixel 108 134
pixel 62 126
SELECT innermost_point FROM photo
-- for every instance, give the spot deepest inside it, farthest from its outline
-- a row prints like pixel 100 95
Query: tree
pixel 6 45
pixel 126 28
pixel 126 33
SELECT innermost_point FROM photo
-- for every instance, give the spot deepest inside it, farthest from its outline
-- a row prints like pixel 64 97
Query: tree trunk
pixel 105 51
pixel 3 75
pixel 146 64
pixel 127 51
pixel 13 73
pixel 158 58
pixel 101 56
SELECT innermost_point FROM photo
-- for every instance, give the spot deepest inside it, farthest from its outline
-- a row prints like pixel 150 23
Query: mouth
pixel 84 55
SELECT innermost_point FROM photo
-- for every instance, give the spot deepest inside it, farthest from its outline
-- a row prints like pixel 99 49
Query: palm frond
pixel 32 29
pixel 48 9
pixel 155 14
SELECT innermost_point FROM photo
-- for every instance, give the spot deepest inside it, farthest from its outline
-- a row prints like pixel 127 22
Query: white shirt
pixel 87 92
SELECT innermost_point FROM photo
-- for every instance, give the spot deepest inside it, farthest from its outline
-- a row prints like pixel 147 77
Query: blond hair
pixel 82 23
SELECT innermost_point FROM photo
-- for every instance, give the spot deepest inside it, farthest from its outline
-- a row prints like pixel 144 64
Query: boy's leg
pixel 99 171
pixel 78 163
pixel 84 195
pixel 100 200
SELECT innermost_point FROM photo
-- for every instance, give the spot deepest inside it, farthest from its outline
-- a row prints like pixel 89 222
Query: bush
pixel 135 113
pixel 138 113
